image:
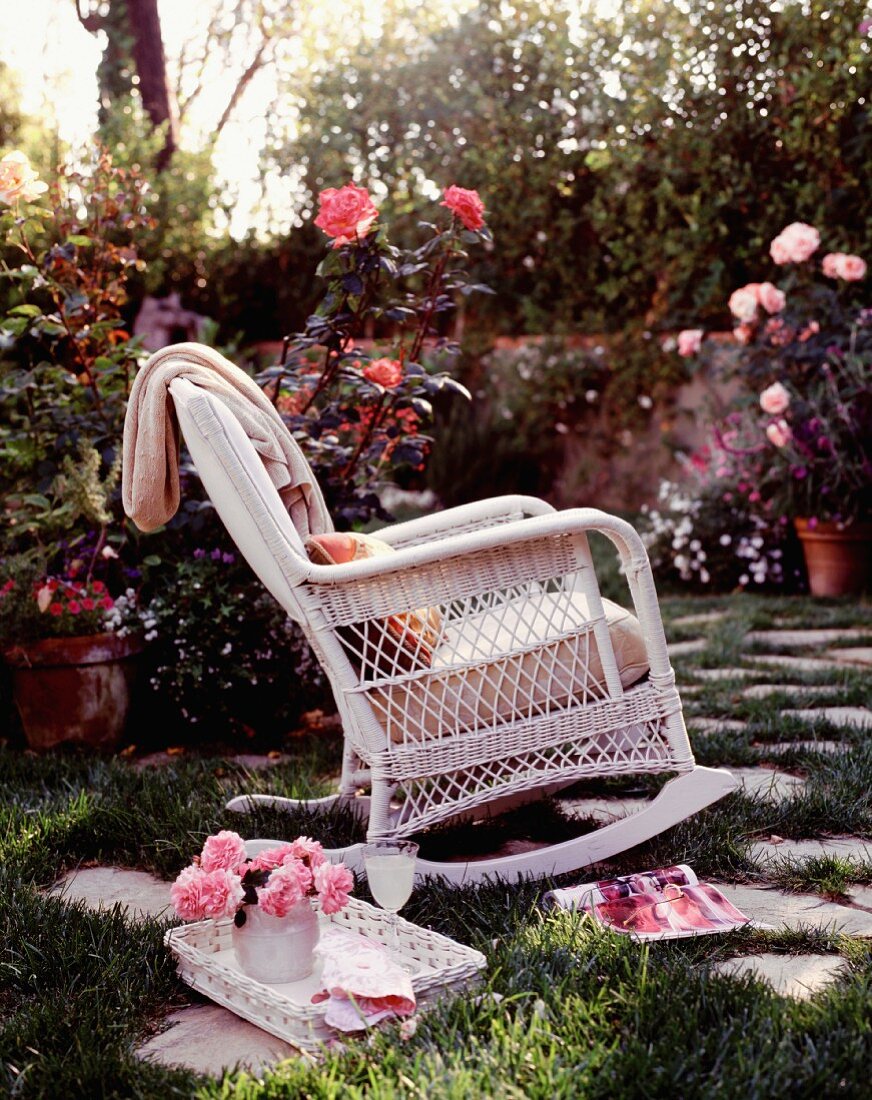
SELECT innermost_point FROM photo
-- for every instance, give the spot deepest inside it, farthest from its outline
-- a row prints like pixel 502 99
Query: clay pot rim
pixel 860 529
pixel 78 649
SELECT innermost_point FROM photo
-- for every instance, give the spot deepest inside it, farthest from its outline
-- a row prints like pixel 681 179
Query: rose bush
pixel 360 410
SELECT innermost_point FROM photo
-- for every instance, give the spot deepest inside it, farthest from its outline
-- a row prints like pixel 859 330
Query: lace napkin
pixel 362 983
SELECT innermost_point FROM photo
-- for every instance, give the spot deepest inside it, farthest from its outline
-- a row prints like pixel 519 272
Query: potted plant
pixel 71 647
pixel 269 897
pixel 804 425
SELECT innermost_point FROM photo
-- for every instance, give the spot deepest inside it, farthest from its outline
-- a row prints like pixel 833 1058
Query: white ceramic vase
pixel 277 949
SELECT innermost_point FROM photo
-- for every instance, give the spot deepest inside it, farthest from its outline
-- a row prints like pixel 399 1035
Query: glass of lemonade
pixel 390 871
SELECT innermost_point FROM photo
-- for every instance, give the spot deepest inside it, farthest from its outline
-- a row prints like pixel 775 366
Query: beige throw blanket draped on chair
pixel 150 470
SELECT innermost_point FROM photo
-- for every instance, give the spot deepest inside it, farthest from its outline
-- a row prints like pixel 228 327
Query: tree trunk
pixel 151 68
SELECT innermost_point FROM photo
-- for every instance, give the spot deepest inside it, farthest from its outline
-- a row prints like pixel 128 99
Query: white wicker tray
pixel 207 962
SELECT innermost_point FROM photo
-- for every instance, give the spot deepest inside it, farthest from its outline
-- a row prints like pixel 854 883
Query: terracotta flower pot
pixel 838 559
pixel 74 689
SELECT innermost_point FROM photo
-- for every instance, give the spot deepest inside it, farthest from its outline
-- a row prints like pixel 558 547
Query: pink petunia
pixel 223 851
pixel 334 882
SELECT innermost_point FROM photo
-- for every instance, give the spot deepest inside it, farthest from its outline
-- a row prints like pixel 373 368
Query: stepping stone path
pixel 141 894
pixel 797 976
pixel 859 717
pixel 763 691
pixel 843 847
pixel 705 618
pixel 210 1039
pixel 790 639
pixel 769 782
pixel 723 673
pixel 710 725
pixel 804 746
pixel 797 664
pixel 768 906
pixel 681 649
pixel 861 656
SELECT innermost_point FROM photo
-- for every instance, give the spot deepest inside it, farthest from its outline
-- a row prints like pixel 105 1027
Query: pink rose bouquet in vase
pixel 269 896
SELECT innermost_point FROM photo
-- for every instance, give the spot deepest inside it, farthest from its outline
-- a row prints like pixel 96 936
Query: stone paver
pixel 861 895
pixel 796 664
pixel 723 673
pixel 796 976
pixel 859 655
pixel 844 847
pixel 775 785
pixel 804 746
pixel 763 691
pixel 765 905
pixel 859 717
pixel 791 638
pixel 682 649
pixel 141 894
pixel 704 618
pixel 211 1039
pixel 710 725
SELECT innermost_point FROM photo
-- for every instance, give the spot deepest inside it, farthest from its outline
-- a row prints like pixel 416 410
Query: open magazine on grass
pixel 667 903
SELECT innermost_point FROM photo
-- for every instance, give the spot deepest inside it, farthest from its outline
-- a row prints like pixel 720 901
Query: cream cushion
pixel 523 659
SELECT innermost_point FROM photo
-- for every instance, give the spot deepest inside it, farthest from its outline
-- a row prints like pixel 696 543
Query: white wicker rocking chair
pixel 517 692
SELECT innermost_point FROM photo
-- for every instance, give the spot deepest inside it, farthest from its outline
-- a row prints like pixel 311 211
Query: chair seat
pixel 522 659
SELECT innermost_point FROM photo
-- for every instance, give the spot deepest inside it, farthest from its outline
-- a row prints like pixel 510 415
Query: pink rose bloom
pixel 842 265
pixel 830 264
pixel 778 332
pixel 346 213
pixel 771 298
pixel 743 303
pixel 385 372
pixel 334 882
pixel 466 205
pixel 18 180
pixel 689 341
pixel 282 891
pixel 271 858
pixel 223 851
pixel 774 399
pixel 186 894
pixel 743 334
pixel 306 848
pixel 222 893
pixel 795 244
pixel 811 329
pixel 778 433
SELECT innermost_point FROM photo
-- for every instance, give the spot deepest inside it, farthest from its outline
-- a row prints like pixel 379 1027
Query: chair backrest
pixel 243 494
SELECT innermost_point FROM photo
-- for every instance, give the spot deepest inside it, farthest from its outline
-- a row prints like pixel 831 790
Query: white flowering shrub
pixel 706 537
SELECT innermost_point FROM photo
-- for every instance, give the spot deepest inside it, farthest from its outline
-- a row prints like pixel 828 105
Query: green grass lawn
pixel 580 1013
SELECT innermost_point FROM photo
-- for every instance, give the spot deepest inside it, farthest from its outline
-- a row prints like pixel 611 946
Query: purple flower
pixel 865 27
pixel 799 472
pixel 228 559
pixel 199 554
pixel 215 555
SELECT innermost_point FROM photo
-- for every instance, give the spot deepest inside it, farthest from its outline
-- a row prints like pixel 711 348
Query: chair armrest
pixel 463 519
pixel 415 568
